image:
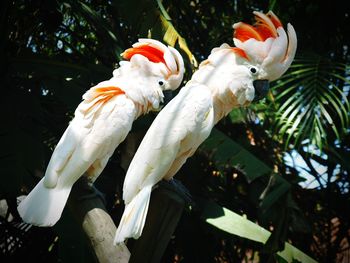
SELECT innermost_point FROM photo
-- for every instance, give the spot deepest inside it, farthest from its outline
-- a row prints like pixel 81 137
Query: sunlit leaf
pixel 235 224
pixel 171 35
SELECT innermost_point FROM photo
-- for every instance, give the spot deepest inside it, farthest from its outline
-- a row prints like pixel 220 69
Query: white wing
pixel 89 141
pixel 87 144
pixel 174 135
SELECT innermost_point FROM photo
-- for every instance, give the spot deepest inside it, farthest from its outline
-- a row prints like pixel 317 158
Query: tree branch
pixel 89 210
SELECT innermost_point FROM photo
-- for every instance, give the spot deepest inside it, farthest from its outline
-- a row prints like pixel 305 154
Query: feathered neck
pixel 145 96
pixel 218 73
pixel 129 83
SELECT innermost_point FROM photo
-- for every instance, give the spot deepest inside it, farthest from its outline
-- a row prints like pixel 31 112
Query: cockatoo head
pixel 161 64
pixel 265 48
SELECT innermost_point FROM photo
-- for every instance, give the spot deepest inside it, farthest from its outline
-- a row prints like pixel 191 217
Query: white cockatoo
pixel 101 122
pixel 231 77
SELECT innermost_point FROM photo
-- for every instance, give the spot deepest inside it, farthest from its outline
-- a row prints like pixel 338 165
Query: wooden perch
pixel 166 206
pixel 88 208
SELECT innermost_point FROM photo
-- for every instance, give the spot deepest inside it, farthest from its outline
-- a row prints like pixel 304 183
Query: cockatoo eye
pixel 253 70
pixel 161 82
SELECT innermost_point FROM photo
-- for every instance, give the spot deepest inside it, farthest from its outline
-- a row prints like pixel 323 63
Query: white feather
pixel 134 216
pixel 292 47
pixel 278 48
pixel 170 60
pixel 43 206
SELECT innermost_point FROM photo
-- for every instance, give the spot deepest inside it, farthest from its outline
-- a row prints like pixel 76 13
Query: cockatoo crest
pixel 157 52
pixel 148 68
pixel 266 44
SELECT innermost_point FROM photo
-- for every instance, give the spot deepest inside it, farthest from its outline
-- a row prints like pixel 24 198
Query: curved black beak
pixel 261 87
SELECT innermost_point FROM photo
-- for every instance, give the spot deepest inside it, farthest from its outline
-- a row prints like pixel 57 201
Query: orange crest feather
pixel 104 94
pixel 240 52
pixel 260 31
pixel 245 31
pixel 153 54
pixel 274 19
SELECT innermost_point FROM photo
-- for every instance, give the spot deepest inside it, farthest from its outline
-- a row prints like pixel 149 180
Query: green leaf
pixel 310 102
pixel 235 224
pixel 224 151
pixel 171 35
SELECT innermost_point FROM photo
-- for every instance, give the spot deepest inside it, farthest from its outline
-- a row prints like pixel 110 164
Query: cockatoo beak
pixel 261 87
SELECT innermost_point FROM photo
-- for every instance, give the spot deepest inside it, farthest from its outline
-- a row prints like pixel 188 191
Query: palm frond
pixel 311 103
